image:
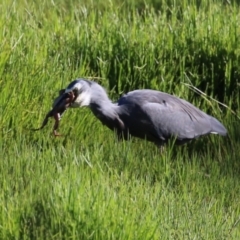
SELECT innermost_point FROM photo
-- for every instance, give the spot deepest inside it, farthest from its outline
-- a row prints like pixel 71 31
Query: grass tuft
pixel 86 185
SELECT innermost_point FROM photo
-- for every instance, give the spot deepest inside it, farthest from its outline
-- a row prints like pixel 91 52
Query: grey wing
pixel 171 121
pixel 138 123
pixel 172 116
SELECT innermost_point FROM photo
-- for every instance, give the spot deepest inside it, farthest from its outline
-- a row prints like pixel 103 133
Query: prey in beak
pixel 60 105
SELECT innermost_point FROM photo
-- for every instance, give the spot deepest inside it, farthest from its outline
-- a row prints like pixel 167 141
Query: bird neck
pixel 106 112
pixel 103 108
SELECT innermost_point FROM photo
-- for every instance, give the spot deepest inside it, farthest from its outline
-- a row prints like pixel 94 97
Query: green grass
pixel 86 185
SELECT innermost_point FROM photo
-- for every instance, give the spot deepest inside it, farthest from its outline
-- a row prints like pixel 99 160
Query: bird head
pixel 81 90
pixel 77 94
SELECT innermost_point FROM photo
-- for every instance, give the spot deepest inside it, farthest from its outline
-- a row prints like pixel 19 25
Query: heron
pixel 143 113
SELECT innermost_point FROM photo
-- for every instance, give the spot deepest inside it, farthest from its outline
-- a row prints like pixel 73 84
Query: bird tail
pixel 217 127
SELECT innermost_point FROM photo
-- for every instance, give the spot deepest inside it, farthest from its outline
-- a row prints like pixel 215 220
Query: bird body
pixel 147 114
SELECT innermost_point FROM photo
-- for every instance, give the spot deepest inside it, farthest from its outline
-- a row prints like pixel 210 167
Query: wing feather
pixel 168 115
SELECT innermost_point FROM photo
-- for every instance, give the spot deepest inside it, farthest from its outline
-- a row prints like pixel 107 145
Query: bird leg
pixel 162 149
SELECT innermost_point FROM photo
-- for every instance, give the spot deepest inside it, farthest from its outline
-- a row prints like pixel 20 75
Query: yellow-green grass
pixel 86 184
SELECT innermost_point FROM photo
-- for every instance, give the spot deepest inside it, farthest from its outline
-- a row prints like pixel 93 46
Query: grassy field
pixel 86 185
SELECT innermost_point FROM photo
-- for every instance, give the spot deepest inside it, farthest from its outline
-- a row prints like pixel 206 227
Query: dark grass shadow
pixel 38 221
pixel 209 67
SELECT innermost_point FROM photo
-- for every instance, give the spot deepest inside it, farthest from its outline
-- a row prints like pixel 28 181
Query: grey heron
pixel 147 114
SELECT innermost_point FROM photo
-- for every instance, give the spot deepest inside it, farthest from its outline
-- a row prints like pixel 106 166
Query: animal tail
pixel 217 127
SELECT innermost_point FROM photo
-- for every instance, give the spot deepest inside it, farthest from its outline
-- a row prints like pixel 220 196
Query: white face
pixel 83 98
